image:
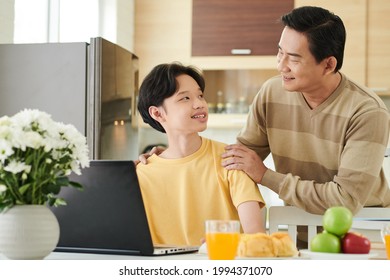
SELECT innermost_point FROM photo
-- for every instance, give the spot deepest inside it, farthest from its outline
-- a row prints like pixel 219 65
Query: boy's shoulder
pixel 215 144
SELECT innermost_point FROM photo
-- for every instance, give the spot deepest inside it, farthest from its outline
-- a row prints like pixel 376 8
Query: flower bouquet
pixel 36 156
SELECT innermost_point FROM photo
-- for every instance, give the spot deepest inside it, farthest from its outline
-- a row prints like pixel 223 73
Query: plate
pixel 334 256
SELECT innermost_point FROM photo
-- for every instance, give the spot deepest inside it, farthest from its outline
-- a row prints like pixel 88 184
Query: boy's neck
pixel 179 147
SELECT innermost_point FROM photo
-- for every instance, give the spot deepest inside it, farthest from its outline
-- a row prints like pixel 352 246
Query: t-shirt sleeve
pixel 243 188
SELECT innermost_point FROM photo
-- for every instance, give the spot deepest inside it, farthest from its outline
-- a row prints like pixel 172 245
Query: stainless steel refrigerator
pixel 92 85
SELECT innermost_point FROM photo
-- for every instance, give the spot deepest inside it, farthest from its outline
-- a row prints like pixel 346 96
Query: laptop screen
pixel 108 215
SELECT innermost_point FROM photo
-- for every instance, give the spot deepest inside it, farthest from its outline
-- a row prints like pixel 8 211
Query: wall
pixel 116 22
pixel 6 21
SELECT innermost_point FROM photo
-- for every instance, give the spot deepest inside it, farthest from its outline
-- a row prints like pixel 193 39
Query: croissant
pixel 285 245
pixel 278 244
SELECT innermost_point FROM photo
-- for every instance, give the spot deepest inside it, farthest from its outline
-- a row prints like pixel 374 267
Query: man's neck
pixel 316 98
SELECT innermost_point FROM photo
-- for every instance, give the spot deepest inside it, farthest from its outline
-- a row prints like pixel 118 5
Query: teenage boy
pixel 186 184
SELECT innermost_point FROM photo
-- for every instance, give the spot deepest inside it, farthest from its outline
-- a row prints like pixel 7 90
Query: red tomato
pixel 355 243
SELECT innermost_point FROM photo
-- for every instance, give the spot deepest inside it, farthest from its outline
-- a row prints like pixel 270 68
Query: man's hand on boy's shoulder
pixel 143 158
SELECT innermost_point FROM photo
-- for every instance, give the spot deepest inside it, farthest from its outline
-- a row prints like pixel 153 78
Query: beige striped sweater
pixel 331 155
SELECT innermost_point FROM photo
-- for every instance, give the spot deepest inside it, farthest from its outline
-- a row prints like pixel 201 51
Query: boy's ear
pixel 155 113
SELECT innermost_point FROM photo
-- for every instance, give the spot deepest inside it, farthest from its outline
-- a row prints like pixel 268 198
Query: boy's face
pixel 186 110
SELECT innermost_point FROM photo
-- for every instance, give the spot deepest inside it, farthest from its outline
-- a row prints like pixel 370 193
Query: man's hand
pixel 143 158
pixel 240 157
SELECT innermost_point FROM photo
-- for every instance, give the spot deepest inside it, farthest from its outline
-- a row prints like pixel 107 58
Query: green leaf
pixel 76 185
pixel 51 189
pixel 24 188
pixel 57 202
pixel 62 181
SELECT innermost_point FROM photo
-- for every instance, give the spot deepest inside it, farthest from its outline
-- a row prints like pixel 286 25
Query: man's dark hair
pixel 324 30
pixel 160 84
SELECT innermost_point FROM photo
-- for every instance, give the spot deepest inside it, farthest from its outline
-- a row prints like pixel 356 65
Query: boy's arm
pixel 251 218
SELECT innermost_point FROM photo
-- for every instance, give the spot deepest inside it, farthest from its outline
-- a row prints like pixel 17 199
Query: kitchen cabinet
pixel 236 88
pixel 378 41
pixel 163 34
pixel 230 27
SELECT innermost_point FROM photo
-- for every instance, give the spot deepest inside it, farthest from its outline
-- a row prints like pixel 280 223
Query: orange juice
pixel 387 243
pixel 222 245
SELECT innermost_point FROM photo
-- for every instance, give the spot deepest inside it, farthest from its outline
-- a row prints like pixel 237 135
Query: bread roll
pixel 278 244
pixel 256 245
pixel 284 243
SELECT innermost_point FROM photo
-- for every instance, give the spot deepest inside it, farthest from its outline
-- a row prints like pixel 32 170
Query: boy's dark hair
pixel 160 84
pixel 324 30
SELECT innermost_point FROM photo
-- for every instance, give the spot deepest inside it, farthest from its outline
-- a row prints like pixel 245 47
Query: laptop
pixel 108 215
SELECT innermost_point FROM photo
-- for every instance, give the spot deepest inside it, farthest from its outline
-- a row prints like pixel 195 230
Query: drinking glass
pixel 386 239
pixel 222 237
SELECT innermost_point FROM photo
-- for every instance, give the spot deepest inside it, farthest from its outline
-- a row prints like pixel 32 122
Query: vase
pixel 28 232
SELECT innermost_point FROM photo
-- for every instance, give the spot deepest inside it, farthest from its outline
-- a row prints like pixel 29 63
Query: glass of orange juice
pixel 222 237
pixel 386 239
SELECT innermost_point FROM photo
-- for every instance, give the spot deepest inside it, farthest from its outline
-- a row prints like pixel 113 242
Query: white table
pixel 82 256
pixel 376 247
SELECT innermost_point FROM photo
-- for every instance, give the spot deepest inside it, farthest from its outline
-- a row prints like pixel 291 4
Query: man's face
pixel 298 67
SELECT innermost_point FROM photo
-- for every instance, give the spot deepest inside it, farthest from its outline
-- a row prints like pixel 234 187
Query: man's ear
pixel 330 64
pixel 155 113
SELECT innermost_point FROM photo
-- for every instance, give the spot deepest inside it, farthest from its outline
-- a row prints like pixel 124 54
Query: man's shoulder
pixel 363 95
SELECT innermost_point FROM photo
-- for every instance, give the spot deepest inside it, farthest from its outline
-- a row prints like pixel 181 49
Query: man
pixel 327 134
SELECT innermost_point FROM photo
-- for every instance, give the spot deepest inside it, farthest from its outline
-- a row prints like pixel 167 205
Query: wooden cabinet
pixel 231 27
pixel 236 88
pixel 163 33
pixel 378 41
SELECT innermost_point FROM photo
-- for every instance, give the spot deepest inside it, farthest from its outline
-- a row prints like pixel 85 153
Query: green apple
pixel 337 220
pixel 325 242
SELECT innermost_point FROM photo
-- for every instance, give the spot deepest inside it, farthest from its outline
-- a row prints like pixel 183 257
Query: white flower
pixel 32 139
pixel 3 188
pixel 16 167
pixel 5 121
pixel 5 150
pixel 35 151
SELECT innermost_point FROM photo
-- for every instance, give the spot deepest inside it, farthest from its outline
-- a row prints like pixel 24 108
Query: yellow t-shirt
pixel 180 194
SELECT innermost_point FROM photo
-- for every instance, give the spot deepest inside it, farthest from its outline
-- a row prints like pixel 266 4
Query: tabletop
pixel 377 249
